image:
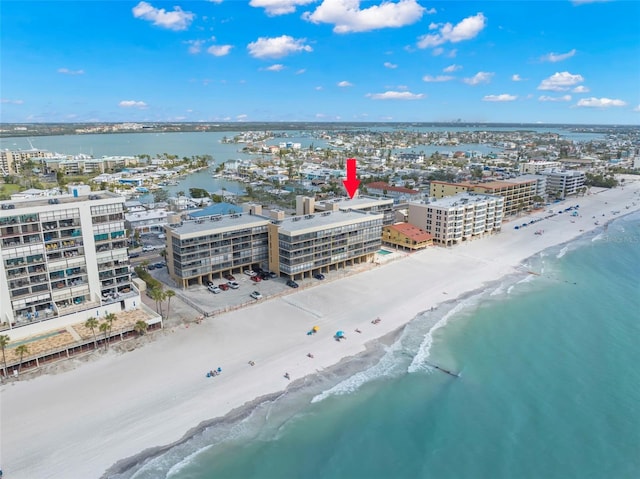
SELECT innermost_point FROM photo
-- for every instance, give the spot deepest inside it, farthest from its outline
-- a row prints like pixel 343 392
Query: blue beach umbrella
pixel 339 334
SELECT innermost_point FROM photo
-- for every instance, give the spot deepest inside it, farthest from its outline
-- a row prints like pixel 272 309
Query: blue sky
pixel 320 60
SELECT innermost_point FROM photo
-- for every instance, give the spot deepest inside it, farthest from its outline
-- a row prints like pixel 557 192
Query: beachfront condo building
pixel 359 203
pixel 518 194
pixel 205 249
pixel 535 167
pixel 64 259
pixel 302 246
pixel 461 217
pixel 563 183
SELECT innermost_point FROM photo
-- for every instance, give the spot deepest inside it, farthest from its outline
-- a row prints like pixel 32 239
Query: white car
pixel 256 295
pixel 214 289
pixel 148 248
pixel 250 272
pixel 233 284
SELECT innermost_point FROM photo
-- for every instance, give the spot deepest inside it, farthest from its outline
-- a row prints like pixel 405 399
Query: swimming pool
pixel 384 252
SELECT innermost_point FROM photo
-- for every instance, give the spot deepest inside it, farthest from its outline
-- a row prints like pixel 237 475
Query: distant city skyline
pixel 564 61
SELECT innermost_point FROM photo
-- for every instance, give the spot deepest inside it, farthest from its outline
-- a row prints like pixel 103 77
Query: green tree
pixel 4 342
pixel 92 324
pixel 169 294
pixel 104 328
pixel 158 296
pixel 160 195
pixel 21 350
pixel 140 327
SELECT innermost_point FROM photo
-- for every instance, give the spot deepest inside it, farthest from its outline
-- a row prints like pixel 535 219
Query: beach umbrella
pixel 315 329
pixel 339 334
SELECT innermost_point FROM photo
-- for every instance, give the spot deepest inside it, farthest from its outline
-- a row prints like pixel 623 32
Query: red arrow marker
pixel 351 183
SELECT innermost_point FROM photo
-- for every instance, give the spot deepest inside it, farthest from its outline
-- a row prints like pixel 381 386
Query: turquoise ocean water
pixel 549 388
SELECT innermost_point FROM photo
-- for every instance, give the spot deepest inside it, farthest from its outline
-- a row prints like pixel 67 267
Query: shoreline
pixel 145 400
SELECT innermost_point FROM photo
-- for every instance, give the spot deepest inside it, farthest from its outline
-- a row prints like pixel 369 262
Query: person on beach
pixel 286 375
pixel 358 331
pixel 251 363
pixel 310 355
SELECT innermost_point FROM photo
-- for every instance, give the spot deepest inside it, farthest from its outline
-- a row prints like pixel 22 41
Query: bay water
pixel 549 387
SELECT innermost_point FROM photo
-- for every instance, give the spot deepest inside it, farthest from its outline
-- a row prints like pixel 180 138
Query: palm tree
pixel 110 318
pixel 92 324
pixel 141 327
pixel 104 328
pixel 21 350
pixel 158 296
pixel 169 294
pixel 4 342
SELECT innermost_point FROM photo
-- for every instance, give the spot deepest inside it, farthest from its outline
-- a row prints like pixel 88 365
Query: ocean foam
pixel 419 362
pixel 562 252
pixel 385 367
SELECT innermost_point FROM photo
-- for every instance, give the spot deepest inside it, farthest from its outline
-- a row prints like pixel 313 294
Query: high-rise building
pixel 453 219
pixel 64 258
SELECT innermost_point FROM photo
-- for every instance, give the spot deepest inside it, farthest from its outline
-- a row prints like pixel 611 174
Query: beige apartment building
pixel 518 194
pixel 462 217
pixel 10 160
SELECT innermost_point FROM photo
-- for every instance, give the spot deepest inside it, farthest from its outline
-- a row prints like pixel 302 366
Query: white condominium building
pixel 453 219
pixel 564 183
pixel 64 259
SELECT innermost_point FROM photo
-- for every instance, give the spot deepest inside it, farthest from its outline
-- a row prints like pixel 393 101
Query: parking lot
pixel 209 303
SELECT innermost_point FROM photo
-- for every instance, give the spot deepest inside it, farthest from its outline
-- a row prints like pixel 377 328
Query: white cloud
pixel 637 108
pixel 319 88
pixel 177 19
pixel 467 29
pixel 66 71
pixel 555 98
pixel 480 77
pixel 396 95
pixel 301 71
pixel 242 117
pixel 140 105
pixel 11 102
pixel 277 47
pixel 347 16
pixel 219 50
pixel 275 68
pixel 344 84
pixel 600 102
pixel 581 89
pixel 502 97
pixel 437 79
pixel 560 81
pixel 278 7
pixel 516 77
pixel 431 11
pixel 437 51
pixel 195 46
pixel 557 57
pixel 390 65
pixel 452 68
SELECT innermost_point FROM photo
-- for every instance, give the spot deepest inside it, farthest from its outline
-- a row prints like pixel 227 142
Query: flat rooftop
pixel 357 203
pixel 461 199
pixel 56 200
pixel 218 224
pixel 321 221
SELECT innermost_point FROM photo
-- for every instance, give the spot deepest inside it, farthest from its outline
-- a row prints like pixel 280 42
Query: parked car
pixel 229 277
pixel 134 255
pixel 264 275
pixel 224 286
pixel 147 248
pixel 318 276
pixel 151 266
pixel 233 285
pixel 249 272
pixel 272 274
pixel 160 265
pixel 292 284
pixel 256 278
pixel 210 284
pixel 256 295
pixel 214 289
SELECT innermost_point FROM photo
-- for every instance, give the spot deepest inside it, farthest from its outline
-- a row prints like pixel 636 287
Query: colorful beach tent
pixel 339 334
pixel 315 329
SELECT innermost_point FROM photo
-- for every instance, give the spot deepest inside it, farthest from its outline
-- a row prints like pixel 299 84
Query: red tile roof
pixel 417 234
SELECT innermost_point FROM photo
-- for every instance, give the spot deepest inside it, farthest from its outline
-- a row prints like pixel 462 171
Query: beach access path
pixel 79 423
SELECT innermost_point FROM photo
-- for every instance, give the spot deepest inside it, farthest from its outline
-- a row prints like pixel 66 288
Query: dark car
pixel 229 277
pixel 264 275
pixel 151 266
pixel 134 255
pixel 292 284
pixel 318 276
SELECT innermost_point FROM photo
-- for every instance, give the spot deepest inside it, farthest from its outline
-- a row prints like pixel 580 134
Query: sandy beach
pixel 79 423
